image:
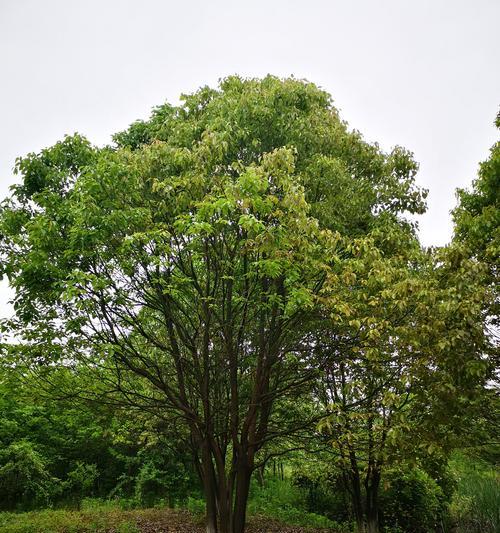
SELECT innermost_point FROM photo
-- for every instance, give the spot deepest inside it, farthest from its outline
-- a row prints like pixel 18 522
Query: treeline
pixel 238 281
pixel 60 453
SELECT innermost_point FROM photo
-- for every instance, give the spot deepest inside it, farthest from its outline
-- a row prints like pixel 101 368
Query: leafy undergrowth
pixel 286 503
pixel 106 520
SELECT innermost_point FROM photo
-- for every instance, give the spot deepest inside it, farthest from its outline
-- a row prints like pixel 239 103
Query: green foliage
pixel 477 221
pixel 287 503
pixel 72 440
pixel 58 451
pixel 477 217
pixel 214 282
pixel 24 477
pixel 81 479
pixel 162 477
pixel 412 501
pixel 196 506
pixel 406 361
pixel 324 492
pixel 477 229
pixel 475 505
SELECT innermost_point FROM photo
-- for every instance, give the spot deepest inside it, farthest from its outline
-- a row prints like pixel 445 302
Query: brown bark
pixel 210 507
pixel 372 485
pixel 243 477
pixel 357 501
pixel 209 482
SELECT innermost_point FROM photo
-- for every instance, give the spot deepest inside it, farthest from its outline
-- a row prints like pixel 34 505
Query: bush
pixel 196 506
pixel 286 502
pixel 24 478
pixel 80 481
pixel 324 495
pixel 150 484
pixel 411 501
pixel 157 479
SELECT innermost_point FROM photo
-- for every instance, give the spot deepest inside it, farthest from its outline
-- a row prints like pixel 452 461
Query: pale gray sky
pixel 423 74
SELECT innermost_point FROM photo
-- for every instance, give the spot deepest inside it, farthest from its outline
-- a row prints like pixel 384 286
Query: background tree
pixel 477 230
pixel 57 448
pixel 477 221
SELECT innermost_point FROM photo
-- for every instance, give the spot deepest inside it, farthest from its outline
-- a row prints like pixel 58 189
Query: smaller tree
pixel 477 231
pixel 404 342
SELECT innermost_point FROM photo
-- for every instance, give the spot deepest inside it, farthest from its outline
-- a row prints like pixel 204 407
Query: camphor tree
pixel 186 264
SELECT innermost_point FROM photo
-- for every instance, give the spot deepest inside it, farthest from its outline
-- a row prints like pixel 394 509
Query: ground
pixel 134 521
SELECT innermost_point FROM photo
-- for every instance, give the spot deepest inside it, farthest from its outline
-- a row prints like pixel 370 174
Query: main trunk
pixel 372 486
pixel 243 476
pixel 207 475
pixel 357 502
pixel 365 513
pixel 352 481
pixel 210 508
pixel 226 495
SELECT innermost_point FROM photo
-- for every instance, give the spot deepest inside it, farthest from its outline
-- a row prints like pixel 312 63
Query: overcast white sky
pixel 422 74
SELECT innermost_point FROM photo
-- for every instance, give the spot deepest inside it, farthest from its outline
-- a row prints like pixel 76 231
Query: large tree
pixel 186 263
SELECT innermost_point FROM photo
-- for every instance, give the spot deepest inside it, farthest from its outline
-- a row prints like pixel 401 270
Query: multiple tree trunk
pixel 226 495
pixel 364 495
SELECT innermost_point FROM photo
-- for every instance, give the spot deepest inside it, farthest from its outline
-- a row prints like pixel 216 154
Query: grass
pixel 475 507
pixel 97 516
pixel 64 521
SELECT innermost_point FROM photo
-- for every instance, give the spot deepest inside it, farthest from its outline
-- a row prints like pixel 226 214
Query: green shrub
pixel 24 478
pixel 150 484
pixel 196 506
pixel 161 476
pixel 80 481
pixel 411 501
pixel 283 501
pixel 124 487
pixel 324 495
